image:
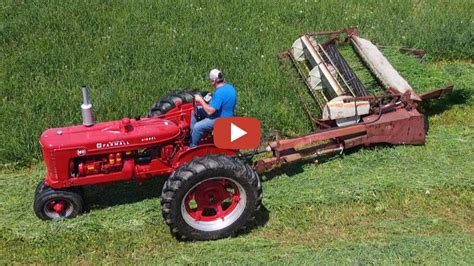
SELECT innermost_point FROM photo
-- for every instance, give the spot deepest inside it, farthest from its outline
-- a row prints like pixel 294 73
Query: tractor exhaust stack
pixel 86 108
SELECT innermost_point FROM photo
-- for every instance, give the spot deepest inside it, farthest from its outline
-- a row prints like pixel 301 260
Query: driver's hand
pixel 207 98
pixel 198 98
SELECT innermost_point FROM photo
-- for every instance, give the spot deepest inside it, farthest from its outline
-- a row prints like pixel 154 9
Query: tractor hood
pixel 125 134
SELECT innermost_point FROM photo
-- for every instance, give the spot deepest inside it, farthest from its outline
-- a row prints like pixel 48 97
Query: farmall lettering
pixel 112 144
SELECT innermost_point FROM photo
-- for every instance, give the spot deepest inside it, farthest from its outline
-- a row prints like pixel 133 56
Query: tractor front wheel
pixel 52 203
pixel 211 197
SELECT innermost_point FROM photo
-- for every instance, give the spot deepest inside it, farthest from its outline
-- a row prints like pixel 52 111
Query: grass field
pixel 391 205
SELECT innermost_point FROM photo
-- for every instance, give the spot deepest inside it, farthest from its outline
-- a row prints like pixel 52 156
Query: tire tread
pixel 196 166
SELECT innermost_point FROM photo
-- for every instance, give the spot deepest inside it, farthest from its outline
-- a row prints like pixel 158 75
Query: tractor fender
pixel 199 151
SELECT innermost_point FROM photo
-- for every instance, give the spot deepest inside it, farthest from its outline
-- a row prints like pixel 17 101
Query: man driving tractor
pixel 222 104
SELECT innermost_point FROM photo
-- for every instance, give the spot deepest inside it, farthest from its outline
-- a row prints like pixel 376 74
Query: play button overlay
pixel 237 133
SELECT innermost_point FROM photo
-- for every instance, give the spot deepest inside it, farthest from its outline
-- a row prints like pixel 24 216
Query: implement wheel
pixel 211 197
pixel 52 203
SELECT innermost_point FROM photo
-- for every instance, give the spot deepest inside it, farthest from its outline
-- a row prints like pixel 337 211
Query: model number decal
pixel 111 144
pixel 148 139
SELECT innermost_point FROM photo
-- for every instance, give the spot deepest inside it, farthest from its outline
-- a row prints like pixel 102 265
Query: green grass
pixel 132 53
pixel 390 205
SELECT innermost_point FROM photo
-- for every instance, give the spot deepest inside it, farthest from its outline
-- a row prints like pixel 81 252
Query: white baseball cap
pixel 216 75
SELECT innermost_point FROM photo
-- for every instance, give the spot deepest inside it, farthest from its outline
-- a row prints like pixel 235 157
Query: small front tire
pixel 50 204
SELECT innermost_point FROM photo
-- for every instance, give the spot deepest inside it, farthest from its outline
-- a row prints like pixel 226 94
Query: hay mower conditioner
pixel 213 193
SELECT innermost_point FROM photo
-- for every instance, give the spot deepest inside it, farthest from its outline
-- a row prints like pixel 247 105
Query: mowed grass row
pixel 380 205
pixel 131 53
pixel 383 205
pixel 400 204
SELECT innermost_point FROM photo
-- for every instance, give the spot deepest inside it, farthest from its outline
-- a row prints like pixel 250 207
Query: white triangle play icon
pixel 236 132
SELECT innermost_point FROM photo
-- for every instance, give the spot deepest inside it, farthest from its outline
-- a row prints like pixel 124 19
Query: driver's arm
pixel 207 107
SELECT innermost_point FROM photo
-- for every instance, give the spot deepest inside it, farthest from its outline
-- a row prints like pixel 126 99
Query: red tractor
pixel 213 193
pixel 209 194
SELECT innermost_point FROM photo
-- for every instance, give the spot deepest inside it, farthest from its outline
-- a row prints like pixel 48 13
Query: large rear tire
pixel 168 103
pixel 211 197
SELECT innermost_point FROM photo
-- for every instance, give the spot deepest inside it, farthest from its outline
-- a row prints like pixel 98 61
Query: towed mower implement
pixel 351 117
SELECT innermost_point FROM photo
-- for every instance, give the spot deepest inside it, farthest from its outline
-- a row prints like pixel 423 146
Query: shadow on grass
pixel 261 218
pixel 297 167
pixel 104 196
pixel 101 197
pixel 446 102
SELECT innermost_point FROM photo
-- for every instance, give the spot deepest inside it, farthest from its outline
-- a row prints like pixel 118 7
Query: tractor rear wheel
pixel 211 197
pixel 168 103
pixel 52 203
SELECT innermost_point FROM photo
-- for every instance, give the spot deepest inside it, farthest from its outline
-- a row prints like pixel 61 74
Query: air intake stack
pixel 86 108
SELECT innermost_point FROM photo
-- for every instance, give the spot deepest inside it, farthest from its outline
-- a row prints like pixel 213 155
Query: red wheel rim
pixel 212 200
pixel 58 208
